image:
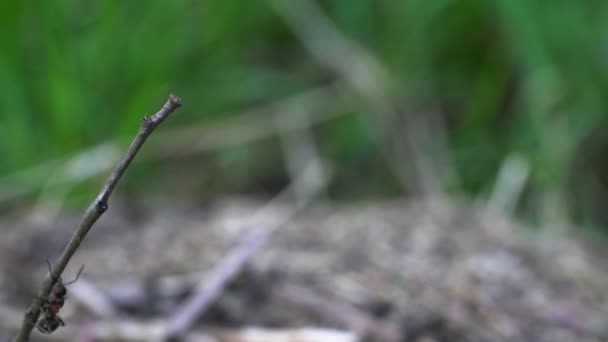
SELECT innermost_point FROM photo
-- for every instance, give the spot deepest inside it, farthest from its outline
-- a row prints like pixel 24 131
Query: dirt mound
pixel 429 272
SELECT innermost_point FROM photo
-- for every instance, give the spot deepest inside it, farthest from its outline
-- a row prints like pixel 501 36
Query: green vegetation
pixel 506 77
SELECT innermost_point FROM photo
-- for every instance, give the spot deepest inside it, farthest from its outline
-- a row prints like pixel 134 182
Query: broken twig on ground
pixel 210 288
pixel 93 212
pixel 350 317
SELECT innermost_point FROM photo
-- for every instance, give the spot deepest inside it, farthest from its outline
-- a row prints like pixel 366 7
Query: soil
pixel 436 271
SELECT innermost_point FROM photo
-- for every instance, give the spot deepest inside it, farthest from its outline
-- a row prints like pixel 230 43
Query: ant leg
pixel 77 276
pixel 30 315
pixel 48 263
pixel 45 302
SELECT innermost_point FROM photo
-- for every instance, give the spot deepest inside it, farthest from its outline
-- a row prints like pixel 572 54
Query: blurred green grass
pixel 509 77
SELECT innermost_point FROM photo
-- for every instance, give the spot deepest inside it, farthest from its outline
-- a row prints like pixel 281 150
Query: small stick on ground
pixel 210 288
pixel 350 317
pixel 93 299
pixel 93 212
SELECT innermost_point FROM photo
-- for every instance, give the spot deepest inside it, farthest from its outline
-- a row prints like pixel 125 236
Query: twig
pixel 245 127
pixel 61 180
pixel 93 299
pixel 127 329
pixel 301 334
pixel 417 158
pixel 510 182
pixel 212 286
pixel 298 146
pixel 350 317
pixel 93 212
pixel 319 104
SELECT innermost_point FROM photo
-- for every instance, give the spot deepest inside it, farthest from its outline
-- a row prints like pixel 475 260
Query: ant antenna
pixel 51 271
pixel 77 275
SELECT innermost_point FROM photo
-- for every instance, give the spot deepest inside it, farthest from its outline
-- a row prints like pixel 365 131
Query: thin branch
pixel 93 212
pixel 210 288
pixel 350 317
pixel 245 127
pixel 127 329
pixel 93 299
pixel 417 158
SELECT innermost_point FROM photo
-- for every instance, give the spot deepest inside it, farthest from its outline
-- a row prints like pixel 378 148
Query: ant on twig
pixel 51 305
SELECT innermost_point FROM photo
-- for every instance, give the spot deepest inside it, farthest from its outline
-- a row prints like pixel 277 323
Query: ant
pixel 51 305
pixel 50 323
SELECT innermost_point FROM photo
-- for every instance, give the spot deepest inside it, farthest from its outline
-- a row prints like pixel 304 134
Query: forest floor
pixel 377 271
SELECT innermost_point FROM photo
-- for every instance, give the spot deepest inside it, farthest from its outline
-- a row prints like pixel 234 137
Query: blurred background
pixel 401 97
pixel 497 103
